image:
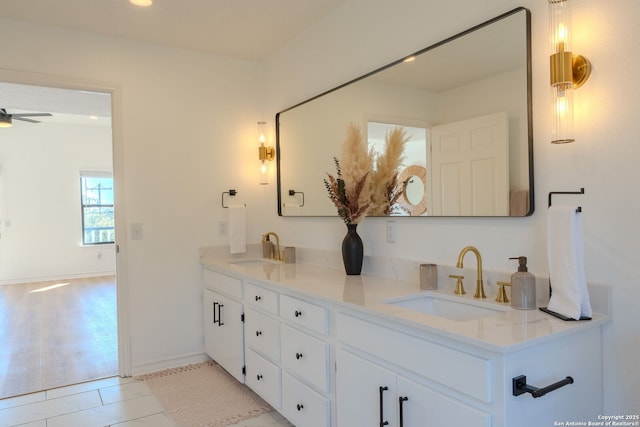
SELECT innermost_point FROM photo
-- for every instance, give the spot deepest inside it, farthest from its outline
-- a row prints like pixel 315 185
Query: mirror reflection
pixel 465 105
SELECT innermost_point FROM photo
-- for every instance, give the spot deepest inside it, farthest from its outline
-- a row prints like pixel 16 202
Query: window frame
pixel 83 207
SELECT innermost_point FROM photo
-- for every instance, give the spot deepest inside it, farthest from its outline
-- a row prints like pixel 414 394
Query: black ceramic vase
pixel 352 251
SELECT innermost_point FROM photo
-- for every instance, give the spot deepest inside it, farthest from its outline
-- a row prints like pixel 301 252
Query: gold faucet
pixel 275 254
pixel 479 284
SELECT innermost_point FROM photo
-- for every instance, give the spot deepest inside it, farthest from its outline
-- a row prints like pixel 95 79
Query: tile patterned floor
pixel 114 402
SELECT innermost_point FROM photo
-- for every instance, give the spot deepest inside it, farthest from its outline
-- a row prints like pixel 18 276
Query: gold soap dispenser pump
pixel 523 286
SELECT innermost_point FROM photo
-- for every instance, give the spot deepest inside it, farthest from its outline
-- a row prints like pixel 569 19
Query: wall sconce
pixel 568 71
pixel 5 121
pixel 264 153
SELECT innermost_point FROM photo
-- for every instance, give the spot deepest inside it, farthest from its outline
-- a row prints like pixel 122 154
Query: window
pixel 98 223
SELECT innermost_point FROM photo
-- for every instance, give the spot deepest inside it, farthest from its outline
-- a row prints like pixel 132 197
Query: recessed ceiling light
pixel 141 2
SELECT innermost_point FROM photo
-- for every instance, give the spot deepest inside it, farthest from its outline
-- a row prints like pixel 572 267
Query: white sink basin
pixel 447 307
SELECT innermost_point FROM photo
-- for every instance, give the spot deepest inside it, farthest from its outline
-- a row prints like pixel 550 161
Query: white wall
pixel 176 171
pixel 365 34
pixel 184 120
pixel 40 218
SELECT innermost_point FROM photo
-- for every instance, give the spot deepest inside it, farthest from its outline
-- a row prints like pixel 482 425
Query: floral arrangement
pixel 349 189
pixel 386 190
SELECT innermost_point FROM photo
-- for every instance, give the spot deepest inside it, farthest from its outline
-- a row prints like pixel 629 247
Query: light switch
pixel 136 231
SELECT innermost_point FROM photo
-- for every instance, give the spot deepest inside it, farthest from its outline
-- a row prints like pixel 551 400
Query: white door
pixel 223 332
pixel 420 406
pixel 360 399
pixel 470 167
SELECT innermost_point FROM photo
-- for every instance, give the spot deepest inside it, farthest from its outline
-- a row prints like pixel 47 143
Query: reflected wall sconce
pixel 265 153
pixel 568 71
pixel 5 121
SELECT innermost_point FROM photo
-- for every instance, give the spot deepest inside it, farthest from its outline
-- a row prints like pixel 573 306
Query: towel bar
pixel 520 386
pixel 578 209
pixel 231 193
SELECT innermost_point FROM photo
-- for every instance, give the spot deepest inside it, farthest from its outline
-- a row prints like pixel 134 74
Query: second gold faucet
pixel 273 253
pixel 479 283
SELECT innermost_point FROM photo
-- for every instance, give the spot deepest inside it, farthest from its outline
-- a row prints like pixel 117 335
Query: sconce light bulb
pixel 562 105
pixel 263 168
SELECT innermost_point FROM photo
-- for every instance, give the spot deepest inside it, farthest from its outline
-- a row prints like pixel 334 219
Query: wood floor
pixel 57 333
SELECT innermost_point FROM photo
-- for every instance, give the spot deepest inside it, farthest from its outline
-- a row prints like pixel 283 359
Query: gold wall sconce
pixel 568 71
pixel 265 153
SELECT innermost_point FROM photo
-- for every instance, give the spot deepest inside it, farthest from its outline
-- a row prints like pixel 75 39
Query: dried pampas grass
pixel 350 190
pixel 386 190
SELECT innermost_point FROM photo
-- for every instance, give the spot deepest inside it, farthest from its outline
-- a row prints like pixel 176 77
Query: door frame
pixel 115 90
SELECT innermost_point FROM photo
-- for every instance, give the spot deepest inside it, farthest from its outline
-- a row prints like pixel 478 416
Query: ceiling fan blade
pixel 18 115
pixel 26 120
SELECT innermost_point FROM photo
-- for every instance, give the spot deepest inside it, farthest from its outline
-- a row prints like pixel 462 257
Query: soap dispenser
pixel 523 287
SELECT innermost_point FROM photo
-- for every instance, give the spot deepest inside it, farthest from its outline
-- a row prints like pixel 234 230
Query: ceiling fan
pixel 6 119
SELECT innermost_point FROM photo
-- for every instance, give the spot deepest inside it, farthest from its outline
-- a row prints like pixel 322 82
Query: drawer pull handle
pixel 297 313
pixel 258 377
pixel 383 423
pixel 258 333
pixel 298 356
pixel 258 297
pixel 299 406
pixel 401 401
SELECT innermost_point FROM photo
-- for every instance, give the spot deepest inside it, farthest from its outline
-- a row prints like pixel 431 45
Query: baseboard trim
pixel 53 278
pixel 169 363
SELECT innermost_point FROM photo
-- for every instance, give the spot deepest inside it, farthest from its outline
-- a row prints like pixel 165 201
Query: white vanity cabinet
pixel 375 383
pixel 223 322
pixel 262 341
pixel 413 379
pixel 306 356
pixel 288 354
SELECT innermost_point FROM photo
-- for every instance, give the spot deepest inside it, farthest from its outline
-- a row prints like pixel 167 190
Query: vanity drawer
pixel 306 356
pixel 264 378
pixel 261 297
pixel 303 406
pixel 456 369
pixel 262 333
pixel 304 314
pixel 227 285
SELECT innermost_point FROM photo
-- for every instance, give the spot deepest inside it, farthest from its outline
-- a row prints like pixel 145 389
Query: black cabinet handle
pixel 382 421
pixel 258 333
pixel 220 314
pixel 258 297
pixel 401 401
pixel 298 356
pixel 299 406
pixel 214 313
pixel 258 377
pixel 297 313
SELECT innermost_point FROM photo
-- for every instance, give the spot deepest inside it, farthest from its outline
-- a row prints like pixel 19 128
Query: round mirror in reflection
pixel 414 197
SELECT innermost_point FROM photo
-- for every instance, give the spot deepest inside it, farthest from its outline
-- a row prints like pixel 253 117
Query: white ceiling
pixel 249 29
pixel 245 29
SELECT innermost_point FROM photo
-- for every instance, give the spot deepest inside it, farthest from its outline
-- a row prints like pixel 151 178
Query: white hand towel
pixel 237 229
pixel 569 294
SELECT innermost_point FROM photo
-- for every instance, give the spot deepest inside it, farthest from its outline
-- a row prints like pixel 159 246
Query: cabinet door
pixel 224 336
pixel 420 406
pixel 360 399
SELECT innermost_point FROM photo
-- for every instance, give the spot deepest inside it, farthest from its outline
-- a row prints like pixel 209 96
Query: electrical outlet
pixel 136 231
pixel 392 232
pixel 222 228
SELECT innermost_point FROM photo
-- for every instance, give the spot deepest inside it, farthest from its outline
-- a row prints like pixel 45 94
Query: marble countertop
pixel 505 331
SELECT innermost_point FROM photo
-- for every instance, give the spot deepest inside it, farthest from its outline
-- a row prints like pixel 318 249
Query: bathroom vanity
pixel 325 349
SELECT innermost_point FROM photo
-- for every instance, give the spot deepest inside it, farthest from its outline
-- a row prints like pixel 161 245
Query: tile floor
pixel 115 402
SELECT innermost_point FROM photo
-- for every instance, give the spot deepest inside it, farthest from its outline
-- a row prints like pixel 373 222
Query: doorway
pixel 57 241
